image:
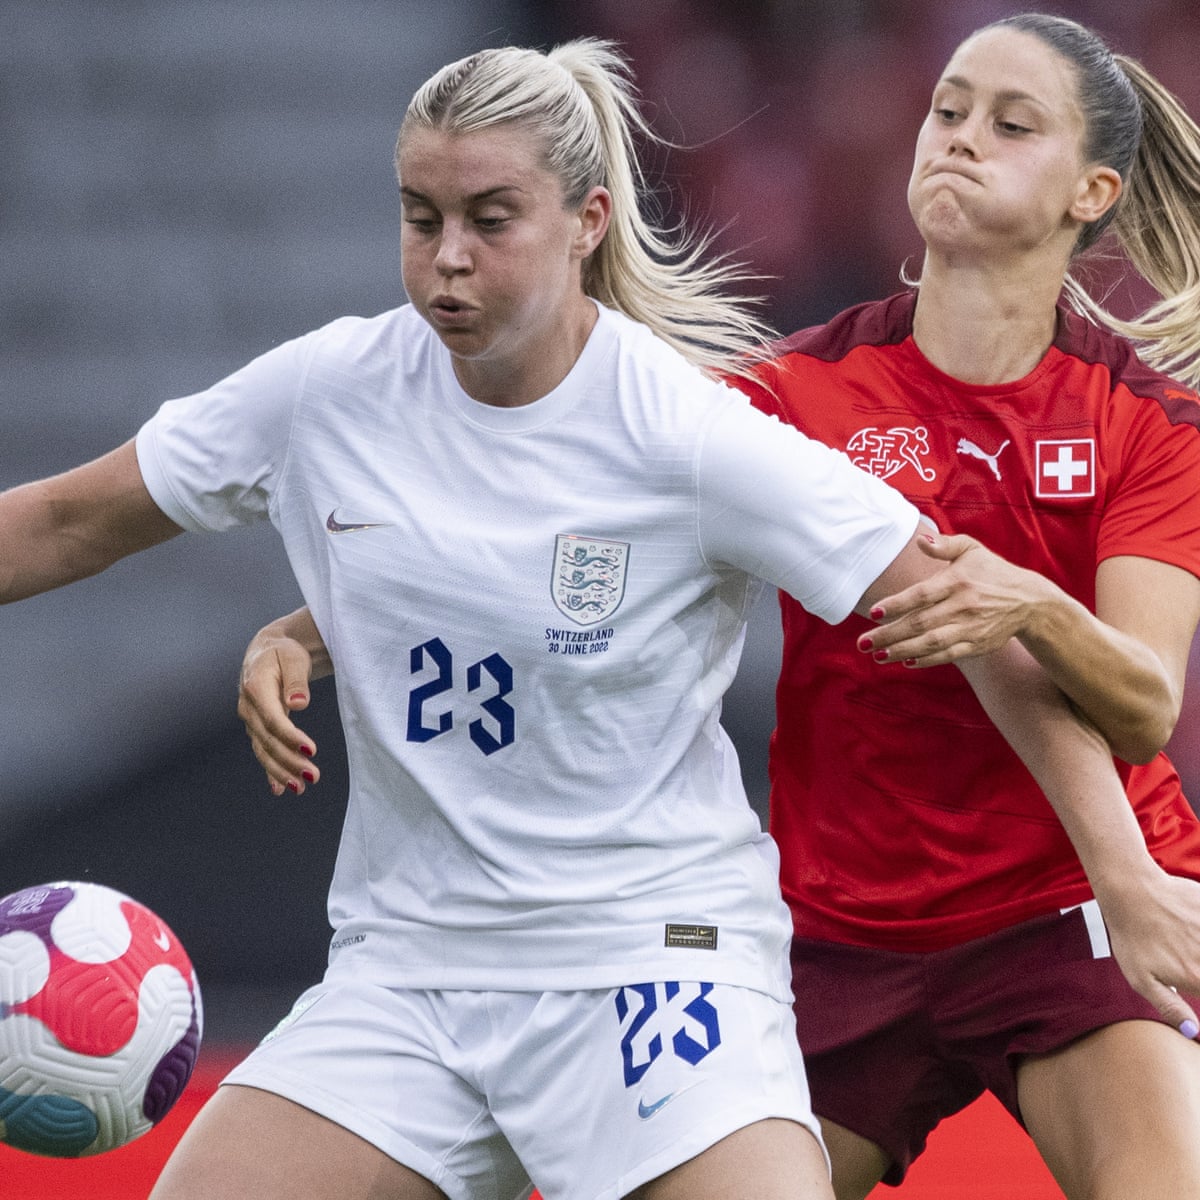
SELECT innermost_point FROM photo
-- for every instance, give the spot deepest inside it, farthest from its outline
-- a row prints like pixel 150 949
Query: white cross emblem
pixel 1066 468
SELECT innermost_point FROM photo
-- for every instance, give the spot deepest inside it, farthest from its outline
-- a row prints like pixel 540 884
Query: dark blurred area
pixel 188 183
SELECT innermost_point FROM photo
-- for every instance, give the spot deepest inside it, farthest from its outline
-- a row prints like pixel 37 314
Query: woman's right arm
pixel 64 528
pixel 281 660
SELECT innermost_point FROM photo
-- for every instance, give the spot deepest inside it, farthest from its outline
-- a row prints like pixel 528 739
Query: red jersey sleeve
pixel 1154 511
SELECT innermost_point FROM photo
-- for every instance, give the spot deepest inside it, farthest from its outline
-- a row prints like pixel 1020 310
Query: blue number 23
pixel 498 674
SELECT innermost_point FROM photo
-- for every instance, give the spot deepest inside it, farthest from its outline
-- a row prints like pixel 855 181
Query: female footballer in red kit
pixel 947 939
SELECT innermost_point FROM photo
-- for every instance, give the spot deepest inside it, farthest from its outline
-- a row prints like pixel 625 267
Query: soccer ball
pixel 100 1019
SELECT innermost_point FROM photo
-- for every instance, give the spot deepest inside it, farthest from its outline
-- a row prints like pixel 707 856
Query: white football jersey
pixel 533 614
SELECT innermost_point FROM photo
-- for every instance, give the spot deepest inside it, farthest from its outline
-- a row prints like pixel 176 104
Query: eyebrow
pixel 489 194
pixel 1010 94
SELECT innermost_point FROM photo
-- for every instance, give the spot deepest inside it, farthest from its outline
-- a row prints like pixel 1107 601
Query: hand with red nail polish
pixel 279 662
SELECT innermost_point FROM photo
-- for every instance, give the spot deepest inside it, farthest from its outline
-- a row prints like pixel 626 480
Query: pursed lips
pixel 943 168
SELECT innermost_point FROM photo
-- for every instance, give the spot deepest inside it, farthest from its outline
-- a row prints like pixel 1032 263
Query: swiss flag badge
pixel 1066 468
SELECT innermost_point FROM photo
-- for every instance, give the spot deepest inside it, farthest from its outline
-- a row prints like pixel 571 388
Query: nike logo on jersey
pixel 336 526
pixel 971 450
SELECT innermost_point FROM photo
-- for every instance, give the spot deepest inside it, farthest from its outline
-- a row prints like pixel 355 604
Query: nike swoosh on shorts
pixel 646 1111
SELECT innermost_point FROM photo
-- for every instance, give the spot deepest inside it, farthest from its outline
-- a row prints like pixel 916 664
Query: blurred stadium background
pixel 188 182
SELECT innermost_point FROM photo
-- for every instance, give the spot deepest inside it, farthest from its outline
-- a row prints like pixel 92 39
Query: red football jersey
pixel 904 819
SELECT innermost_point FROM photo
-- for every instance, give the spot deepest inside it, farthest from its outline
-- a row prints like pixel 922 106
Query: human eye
pixel 1018 116
pixel 419 216
pixel 492 219
pixel 947 106
pixel 1012 126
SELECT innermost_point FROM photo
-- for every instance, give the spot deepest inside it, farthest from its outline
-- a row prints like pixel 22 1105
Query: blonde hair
pixel 1158 225
pixel 578 101
pixel 1134 125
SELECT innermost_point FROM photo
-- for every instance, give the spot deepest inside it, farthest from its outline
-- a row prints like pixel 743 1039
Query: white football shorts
pixel 588 1094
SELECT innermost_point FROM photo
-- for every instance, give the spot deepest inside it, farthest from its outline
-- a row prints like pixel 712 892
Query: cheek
pixel 410 258
pixel 1046 187
pixel 541 276
pixel 911 192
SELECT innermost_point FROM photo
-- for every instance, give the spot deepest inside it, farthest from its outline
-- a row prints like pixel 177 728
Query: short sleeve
pixel 1154 511
pixel 212 460
pixel 790 510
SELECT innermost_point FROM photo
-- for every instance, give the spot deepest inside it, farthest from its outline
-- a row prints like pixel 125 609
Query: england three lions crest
pixel 588 580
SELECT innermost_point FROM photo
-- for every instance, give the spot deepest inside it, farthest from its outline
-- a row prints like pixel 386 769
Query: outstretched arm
pixel 281 660
pixel 1123 667
pixel 1153 918
pixel 57 530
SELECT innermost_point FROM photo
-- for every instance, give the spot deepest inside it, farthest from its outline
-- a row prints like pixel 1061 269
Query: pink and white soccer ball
pixel 100 1019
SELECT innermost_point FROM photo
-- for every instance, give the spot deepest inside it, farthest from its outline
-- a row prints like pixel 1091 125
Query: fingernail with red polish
pixel 880 656
pixel 296 696
pixel 865 643
pixel 293 786
pixel 306 750
pixel 309 777
pixel 876 613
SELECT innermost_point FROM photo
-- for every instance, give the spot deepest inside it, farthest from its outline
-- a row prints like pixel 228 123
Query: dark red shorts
pixel 894 1042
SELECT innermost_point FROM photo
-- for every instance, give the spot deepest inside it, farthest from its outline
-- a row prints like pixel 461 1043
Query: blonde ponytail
pixel 1158 225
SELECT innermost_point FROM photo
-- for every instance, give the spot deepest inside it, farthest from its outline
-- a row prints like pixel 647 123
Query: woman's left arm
pixel 1123 667
pixel 1153 918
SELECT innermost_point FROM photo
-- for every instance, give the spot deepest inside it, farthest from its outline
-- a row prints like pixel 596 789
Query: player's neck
pixel 983 326
pixel 531 366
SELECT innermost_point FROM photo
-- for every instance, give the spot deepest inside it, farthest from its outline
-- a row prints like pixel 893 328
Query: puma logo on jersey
pixel 971 450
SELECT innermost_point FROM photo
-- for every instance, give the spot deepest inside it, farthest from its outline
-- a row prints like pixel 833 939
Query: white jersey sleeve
pixel 790 510
pixel 226 475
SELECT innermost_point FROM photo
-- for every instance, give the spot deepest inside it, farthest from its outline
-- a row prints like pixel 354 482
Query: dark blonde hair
pixel 579 104
pixel 1134 125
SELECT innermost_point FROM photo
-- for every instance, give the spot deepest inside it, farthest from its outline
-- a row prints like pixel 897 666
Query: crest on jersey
pixel 1066 469
pixel 588 580
pixel 883 452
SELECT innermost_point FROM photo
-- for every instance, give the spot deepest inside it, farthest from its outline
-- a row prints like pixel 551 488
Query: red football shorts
pixel 893 1042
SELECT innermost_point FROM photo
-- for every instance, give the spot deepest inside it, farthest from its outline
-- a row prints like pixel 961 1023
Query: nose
pixel 963 140
pixel 453 256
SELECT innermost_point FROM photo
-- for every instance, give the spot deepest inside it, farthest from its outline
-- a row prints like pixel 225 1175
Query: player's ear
pixel 1098 190
pixel 594 215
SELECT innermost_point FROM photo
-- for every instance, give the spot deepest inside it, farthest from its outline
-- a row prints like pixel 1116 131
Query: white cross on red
pixel 1066 468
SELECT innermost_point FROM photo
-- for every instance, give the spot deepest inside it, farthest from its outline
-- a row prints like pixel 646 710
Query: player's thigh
pixel 1116 1113
pixel 770 1160
pixel 248 1144
pixel 858 1164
